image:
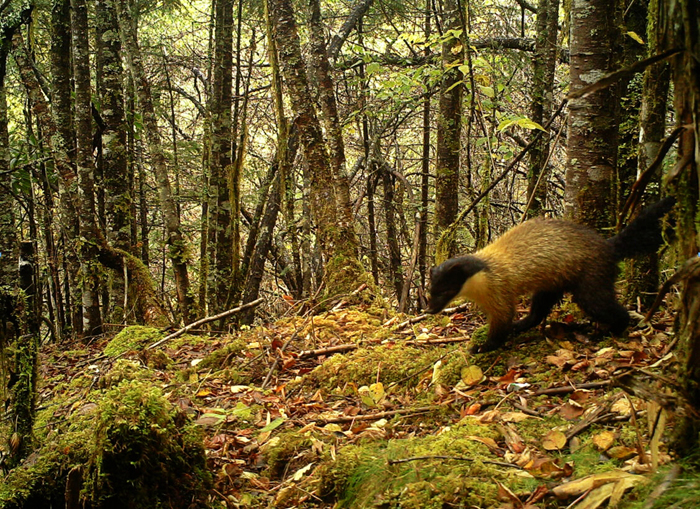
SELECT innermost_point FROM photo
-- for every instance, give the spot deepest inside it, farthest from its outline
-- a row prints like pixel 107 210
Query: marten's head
pixel 451 279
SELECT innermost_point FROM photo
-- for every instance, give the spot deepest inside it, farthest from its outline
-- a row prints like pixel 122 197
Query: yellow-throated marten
pixel 546 258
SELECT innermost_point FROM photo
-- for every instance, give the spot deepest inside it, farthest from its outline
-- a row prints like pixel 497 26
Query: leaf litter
pixel 361 409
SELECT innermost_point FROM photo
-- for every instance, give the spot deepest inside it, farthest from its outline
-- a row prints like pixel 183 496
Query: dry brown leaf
pixel 571 410
pixel 621 452
pixel 512 439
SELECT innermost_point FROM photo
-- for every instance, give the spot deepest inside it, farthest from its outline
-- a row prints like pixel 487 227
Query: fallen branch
pixel 379 415
pixel 461 339
pixel 419 318
pixel 328 350
pixel 456 458
pixel 203 321
pixel 571 388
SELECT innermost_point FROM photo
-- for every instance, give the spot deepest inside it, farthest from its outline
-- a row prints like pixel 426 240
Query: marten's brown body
pixel 546 258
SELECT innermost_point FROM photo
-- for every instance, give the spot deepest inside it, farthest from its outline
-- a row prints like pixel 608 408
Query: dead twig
pixel 571 388
pixel 327 350
pixel 420 318
pixel 456 458
pixel 691 268
pixel 379 415
pixel 203 321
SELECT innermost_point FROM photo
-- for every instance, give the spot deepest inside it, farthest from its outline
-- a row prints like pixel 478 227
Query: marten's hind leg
pixel 542 303
pixel 601 305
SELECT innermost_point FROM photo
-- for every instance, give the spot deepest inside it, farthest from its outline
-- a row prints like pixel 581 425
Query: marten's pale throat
pixel 546 258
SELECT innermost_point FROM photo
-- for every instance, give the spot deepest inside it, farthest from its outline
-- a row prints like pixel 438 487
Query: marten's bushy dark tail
pixel 644 234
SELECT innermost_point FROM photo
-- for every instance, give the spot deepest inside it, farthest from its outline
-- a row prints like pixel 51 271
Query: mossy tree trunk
pixel 25 363
pixel 543 65
pixel 64 142
pixel 220 236
pixel 679 27
pixel 118 183
pixel 593 120
pixel 90 235
pixel 337 239
pixel 177 246
pixel 642 275
pixel 449 128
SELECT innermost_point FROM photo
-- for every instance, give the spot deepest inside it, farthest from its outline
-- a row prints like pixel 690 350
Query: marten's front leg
pixel 500 326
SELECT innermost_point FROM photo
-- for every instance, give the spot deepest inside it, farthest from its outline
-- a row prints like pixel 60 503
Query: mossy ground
pixel 327 430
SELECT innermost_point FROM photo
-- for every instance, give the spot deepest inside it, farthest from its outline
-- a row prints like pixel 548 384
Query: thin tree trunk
pixel 448 133
pixel 220 159
pixel 544 63
pixel 425 174
pixel 392 237
pixel 92 318
pixel 177 248
pixel 643 274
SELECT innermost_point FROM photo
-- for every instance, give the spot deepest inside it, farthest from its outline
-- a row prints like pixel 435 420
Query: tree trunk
pixel 62 111
pixel 544 63
pixel 92 318
pixel 642 274
pixel 338 242
pixel 593 122
pixel 425 177
pixel 679 28
pixel 116 178
pixel 449 124
pixel 26 357
pixel 392 237
pixel 177 248
pixel 9 321
pixel 220 159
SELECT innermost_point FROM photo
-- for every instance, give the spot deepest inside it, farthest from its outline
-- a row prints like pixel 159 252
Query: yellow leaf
pixel 636 37
pixel 472 375
pixel 604 440
pixel 554 441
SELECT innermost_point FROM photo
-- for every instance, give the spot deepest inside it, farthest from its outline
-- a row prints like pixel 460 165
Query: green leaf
pixel 529 124
pixel 487 91
pixel 273 425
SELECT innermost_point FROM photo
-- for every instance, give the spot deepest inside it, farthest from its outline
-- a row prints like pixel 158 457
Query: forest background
pixel 165 161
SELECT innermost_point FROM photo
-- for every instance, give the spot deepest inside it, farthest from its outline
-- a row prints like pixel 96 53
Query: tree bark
pixel 544 63
pixel 449 124
pixel 64 141
pixel 593 122
pixel 177 248
pixel 643 274
pixel 337 240
pixel 679 28
pixel 220 158
pixel 92 318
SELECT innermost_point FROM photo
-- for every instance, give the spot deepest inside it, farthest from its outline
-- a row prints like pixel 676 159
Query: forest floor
pixel 357 407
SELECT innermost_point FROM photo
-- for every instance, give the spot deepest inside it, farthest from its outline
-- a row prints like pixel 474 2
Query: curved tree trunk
pixel 337 240
pixel 177 248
